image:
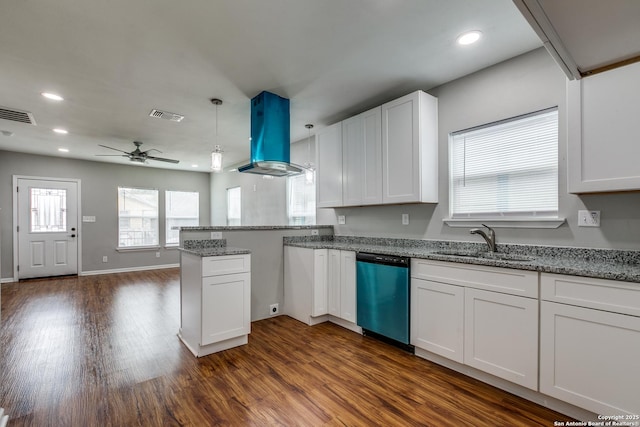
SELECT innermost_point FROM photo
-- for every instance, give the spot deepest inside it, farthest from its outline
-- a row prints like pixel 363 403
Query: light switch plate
pixel 216 234
pixel 405 219
pixel 88 219
pixel 588 218
pixel 342 220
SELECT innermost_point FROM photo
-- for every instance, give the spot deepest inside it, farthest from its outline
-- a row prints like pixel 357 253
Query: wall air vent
pixel 159 114
pixel 17 116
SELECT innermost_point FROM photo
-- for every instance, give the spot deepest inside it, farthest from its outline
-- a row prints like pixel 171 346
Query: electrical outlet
pixel 216 234
pixel 273 309
pixel 314 232
pixel 405 219
pixel 588 218
pixel 105 259
pixel 342 220
pixel 157 254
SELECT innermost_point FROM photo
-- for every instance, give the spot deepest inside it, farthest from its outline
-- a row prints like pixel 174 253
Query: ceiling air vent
pixel 159 114
pixel 17 116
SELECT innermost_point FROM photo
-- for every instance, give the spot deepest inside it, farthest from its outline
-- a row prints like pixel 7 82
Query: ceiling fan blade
pixel 111 148
pixel 160 159
pixel 112 155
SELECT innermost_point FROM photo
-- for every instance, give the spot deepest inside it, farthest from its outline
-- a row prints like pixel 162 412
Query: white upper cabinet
pixel 603 149
pixel 362 159
pixel 410 149
pixel 329 166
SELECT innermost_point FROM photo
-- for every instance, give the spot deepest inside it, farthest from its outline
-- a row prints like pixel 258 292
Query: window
pixel 137 217
pixel 234 206
pixel 48 210
pixel 301 200
pixel 182 208
pixel 507 169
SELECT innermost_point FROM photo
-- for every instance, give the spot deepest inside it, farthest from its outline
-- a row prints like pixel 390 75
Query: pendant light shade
pixel 309 173
pixel 216 154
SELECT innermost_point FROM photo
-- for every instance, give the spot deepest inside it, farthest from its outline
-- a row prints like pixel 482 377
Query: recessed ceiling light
pixel 60 130
pixel 53 96
pixel 194 166
pixel 63 150
pixel 469 37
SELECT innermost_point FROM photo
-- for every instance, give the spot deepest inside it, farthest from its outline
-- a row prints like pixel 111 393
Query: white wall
pixel 527 83
pixel 99 183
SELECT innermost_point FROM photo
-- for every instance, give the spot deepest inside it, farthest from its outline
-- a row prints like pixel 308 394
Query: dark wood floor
pixel 103 351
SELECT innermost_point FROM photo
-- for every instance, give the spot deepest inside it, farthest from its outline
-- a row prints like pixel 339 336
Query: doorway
pixel 46 233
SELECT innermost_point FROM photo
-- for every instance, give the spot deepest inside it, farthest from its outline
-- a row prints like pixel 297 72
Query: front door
pixel 47 227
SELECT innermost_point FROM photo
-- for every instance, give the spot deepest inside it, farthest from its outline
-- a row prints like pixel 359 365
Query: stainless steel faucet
pixel 489 238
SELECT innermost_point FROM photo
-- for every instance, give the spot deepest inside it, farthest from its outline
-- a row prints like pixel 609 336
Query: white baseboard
pixel 8 280
pixel 128 270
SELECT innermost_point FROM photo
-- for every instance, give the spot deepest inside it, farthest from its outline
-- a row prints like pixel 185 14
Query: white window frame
pixel 190 220
pixel 154 245
pixel 524 219
pixel 232 218
pixel 308 213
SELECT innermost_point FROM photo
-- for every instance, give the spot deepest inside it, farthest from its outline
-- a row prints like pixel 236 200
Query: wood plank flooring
pixel 103 351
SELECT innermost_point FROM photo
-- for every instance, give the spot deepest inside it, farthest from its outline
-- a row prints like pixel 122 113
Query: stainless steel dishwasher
pixel 383 297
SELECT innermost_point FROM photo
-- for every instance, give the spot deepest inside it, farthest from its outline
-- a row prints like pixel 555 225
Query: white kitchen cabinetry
pixel 437 318
pixel 603 111
pixel 410 149
pixel 329 166
pixel 342 284
pixel 590 343
pixel 305 284
pixel 484 317
pixel 362 159
pixel 215 296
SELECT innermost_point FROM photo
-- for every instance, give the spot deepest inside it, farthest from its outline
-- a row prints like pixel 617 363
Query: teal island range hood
pixel 270 137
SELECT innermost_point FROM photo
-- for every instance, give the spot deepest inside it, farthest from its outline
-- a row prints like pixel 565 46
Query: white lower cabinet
pixel 501 335
pixel 318 282
pixel 590 357
pixel 454 315
pixel 215 302
pixel 437 318
pixel 305 284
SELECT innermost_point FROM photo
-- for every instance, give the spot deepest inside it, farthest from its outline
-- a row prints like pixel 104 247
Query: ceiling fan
pixel 138 155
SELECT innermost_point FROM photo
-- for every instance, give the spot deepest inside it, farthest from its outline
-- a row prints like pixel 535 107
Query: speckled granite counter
pixel 255 227
pixel 598 263
pixel 206 248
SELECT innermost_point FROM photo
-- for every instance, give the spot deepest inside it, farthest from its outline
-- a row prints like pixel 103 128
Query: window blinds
pixel 506 169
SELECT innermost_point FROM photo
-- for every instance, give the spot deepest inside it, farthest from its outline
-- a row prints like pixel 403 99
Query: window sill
pixel 138 249
pixel 172 246
pixel 531 222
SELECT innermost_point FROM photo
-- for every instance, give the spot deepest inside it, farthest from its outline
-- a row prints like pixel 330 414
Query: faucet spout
pixel 490 238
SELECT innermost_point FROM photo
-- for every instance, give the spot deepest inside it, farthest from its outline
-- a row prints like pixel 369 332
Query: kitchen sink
pixel 498 256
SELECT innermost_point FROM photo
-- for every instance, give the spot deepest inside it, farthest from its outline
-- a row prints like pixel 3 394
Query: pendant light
pixel 310 170
pixel 216 154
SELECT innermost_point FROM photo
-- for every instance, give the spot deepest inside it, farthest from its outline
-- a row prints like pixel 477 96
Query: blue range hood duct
pixel 270 137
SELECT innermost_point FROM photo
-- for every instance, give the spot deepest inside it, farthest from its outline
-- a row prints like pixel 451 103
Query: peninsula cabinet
pixel 410 149
pixel 603 111
pixel 329 166
pixel 215 298
pixel 590 343
pixel 305 284
pixel 362 159
pixel 484 317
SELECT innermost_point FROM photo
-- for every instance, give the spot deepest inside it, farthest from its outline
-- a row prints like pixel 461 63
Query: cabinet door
pixel 333 282
pixel 362 159
pixel 320 269
pixel 590 358
pixel 410 149
pixel 226 307
pixel 437 318
pixel 348 285
pixel 329 166
pixel 602 131
pixel 501 336
pixel 298 282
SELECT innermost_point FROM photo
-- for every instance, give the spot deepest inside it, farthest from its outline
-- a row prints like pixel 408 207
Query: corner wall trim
pixel 127 270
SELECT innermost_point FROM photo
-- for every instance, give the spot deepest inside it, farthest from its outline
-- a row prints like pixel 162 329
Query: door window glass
pixel 48 210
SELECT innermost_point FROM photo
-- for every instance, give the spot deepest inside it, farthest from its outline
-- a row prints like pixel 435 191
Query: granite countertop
pixel 219 251
pixel 597 263
pixel 254 227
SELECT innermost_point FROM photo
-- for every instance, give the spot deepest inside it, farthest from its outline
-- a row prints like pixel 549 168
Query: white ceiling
pixel 114 61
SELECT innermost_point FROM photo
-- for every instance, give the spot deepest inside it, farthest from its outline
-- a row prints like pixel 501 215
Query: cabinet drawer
pixel 504 280
pixel 228 264
pixel 608 295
